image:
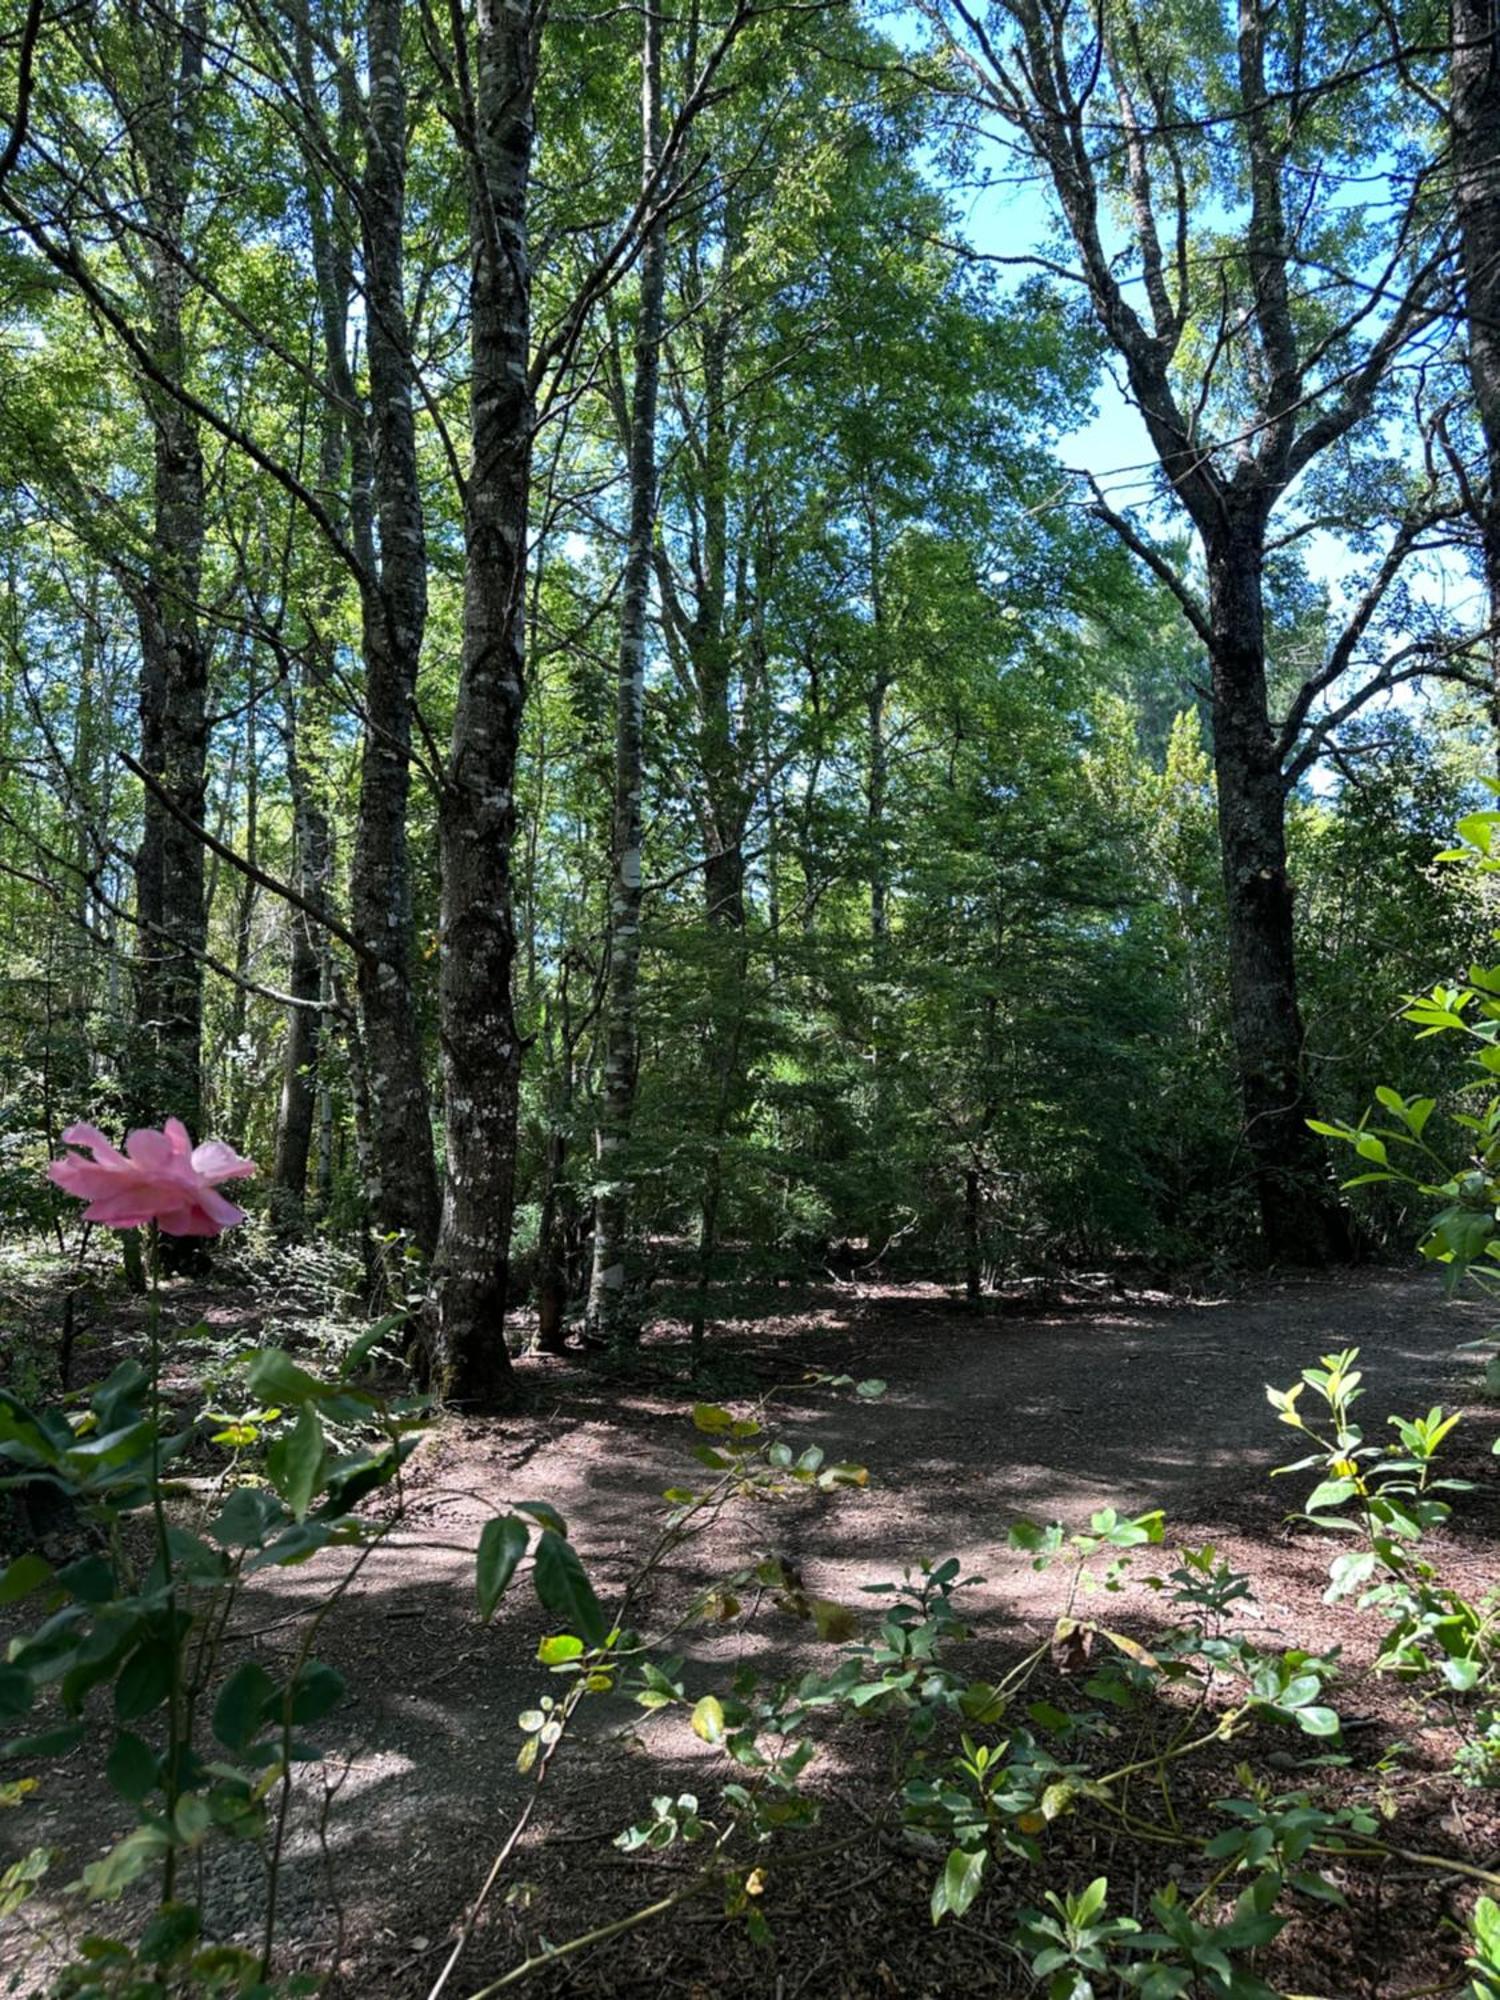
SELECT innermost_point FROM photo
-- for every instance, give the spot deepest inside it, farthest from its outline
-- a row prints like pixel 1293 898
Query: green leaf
pixel 1464 1675
pixel 958 1885
pixel 350 1479
pixel 360 1352
pixel 708 1719
pixel 243 1705
pixel 20 1578
pixel 47 1743
pixel 1317 1721
pixel 248 1518
pixel 502 1543
pixel 275 1378
pixel 17 1693
pixel 1307 1883
pixel 145 1679
pixel 1299 1690
pixel 1091 1902
pixel 131 1767
pixel 194 1558
pixel 546 1513
pixel 564 1589
pixel 295 1464
pixel 125 1863
pixel 91 1579
pixel 313 1693
pixel 559 1649
pixel 1478 829
pixel 172 1931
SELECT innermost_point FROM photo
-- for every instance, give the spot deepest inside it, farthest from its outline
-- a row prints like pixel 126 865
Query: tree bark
pixel 1265 1019
pixel 1266 365
pixel 607 1285
pixel 552 1262
pixel 297 1112
pixel 481 1043
pixel 306 1105
pixel 166 1078
pixel 877 748
pixel 1475 120
pixel 403 1193
pixel 973 1262
pixel 236 1109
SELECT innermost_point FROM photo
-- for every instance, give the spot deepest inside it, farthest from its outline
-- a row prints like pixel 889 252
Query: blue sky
pixel 1013 218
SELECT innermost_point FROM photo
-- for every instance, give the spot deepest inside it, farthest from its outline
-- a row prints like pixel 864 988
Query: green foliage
pixel 1444 1145
pixel 1485 1961
pixel 983 1770
pixel 137 1625
pixel 1385 1497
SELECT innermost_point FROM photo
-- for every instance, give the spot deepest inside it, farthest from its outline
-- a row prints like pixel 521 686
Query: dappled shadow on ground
pixel 983 1420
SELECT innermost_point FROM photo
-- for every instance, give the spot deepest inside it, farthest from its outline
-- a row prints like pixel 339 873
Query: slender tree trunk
pixel 300 1081
pixel 326 1128
pixel 481 1042
pixel 725 1038
pixel 1300 1221
pixel 879 764
pixel 973 1263
pixel 247 897
pixel 552 1259
pixel 88 739
pixel 1475 115
pixel 403 1194
pixel 607 1288
pixel 306 1103
pixel 875 810
pixel 724 877
pixel 166 1078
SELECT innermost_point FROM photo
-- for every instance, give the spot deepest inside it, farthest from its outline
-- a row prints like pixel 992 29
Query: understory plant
pixel 1119 1731
pixel 201 1745
pixel 1448 1151
pixel 983 1771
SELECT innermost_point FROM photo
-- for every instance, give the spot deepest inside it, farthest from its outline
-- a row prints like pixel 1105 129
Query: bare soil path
pixel 1139 1404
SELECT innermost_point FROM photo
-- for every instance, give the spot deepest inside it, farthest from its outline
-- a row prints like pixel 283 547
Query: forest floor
pixel 1136 1403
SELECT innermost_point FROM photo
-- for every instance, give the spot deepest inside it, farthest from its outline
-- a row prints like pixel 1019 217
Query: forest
pixel 749 815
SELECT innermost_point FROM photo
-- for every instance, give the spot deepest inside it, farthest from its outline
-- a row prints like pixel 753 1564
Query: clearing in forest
pixel 1142 1403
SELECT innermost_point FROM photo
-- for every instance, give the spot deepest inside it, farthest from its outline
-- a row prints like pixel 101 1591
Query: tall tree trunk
pixel 300 1081
pixel 1475 117
pixel 607 1289
pixel 237 1097
pixel 1266 1022
pixel 403 1194
pixel 306 1103
pixel 1119 172
pixel 552 1258
pixel 166 1077
pixel 878 752
pixel 323 1202
pixel 973 1259
pixel 725 1037
pixel 481 1042
pixel 875 812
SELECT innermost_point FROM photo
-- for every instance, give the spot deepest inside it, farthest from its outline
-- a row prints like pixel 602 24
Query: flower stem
pixel 170 1786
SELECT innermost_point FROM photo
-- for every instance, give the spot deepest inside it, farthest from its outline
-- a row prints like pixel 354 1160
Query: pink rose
pixel 161 1177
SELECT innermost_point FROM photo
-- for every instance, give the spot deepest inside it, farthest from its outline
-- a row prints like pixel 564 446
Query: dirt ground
pixel 1137 1403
